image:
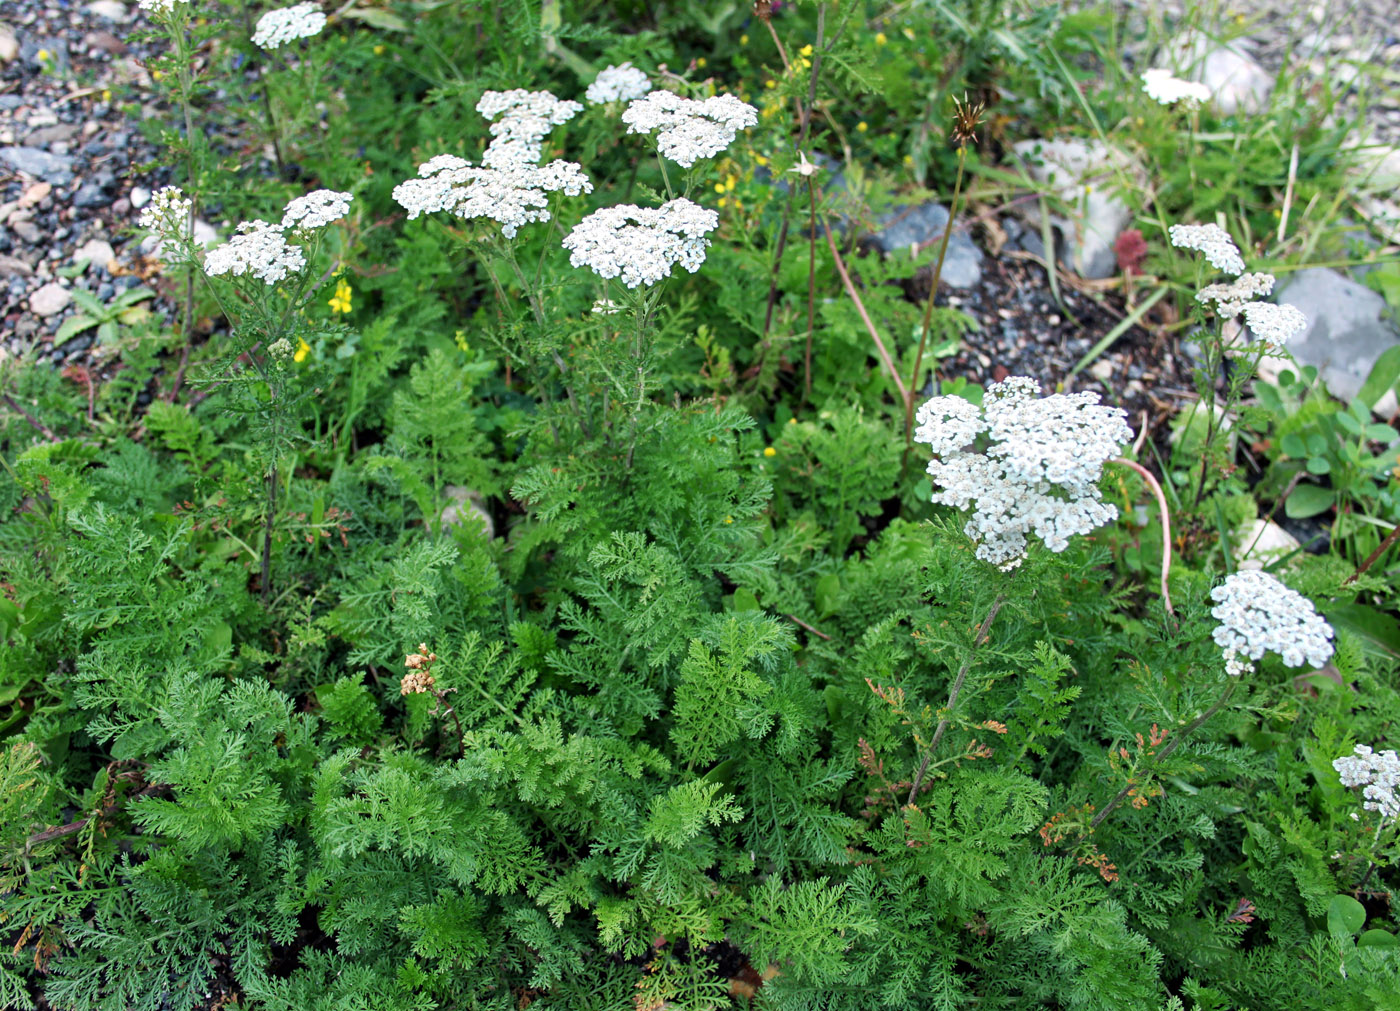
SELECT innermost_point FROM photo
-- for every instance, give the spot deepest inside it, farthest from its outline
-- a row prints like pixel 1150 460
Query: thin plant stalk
pixel 928 306
pixel 1381 549
pixel 811 291
pixel 1165 752
pixel 977 640
pixel 1152 483
pixel 865 316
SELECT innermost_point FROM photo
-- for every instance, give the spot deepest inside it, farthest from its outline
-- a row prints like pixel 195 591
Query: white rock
pixel 465 508
pixel 111 10
pixel 1085 175
pixel 1261 543
pixel 50 299
pixel 1236 81
pixel 96 252
pixel 9 45
pixel 140 197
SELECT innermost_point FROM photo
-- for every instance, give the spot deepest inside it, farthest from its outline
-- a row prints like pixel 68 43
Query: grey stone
pixel 90 194
pixel 1084 175
pixel 140 196
pixel 924 224
pixel 9 45
pixel 1237 82
pixel 96 252
pixel 1346 329
pixel 12 267
pixel 52 298
pixel 26 230
pixel 466 507
pixel 111 10
pixel 52 168
pixel 46 135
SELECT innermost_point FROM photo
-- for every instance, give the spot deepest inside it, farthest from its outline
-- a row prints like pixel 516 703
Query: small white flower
pixel 640 245
pixel 168 213
pixel 1258 614
pixel 1038 475
pixel 259 249
pixel 622 83
pixel 316 209
pixel 513 195
pixel 1236 665
pixel 276 28
pixel 1213 241
pixel 1275 325
pixel 159 6
pixel 1230 299
pixel 1378 774
pixel 1165 89
pixel 687 130
pixel 805 168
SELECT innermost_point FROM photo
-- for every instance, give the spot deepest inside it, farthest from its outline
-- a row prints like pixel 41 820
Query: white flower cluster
pixel 165 7
pixel 168 213
pixel 1236 665
pixel 276 28
pixel 1165 89
pixel 688 130
pixel 259 249
pixel 526 119
pixel 1377 774
pixel 316 210
pixel 1039 474
pixel 1274 324
pixel 1213 241
pixel 1230 299
pixel 1258 614
pixel 508 187
pixel 641 244
pixel 622 83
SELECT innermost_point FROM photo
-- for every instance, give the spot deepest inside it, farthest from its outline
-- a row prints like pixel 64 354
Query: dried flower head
pixel 1165 89
pixel 1258 614
pixel 1213 241
pixel 1230 299
pixel 416 682
pixel 1275 325
pixel 688 130
pixel 640 245
pixel 1039 471
pixel 621 83
pixel 966 118
pixel 276 28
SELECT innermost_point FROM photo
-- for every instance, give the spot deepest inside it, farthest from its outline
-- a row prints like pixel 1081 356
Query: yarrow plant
pixel 1039 471
pixel 278 27
pixel 261 249
pixel 1377 773
pixel 621 83
pixel 1165 89
pixel 688 130
pixel 1228 300
pixel 1258 614
pixel 1211 240
pixel 640 245
pixel 1275 325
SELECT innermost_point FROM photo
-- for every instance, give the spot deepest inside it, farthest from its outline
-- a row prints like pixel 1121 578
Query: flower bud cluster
pixel 276 28
pixel 1258 614
pixel 686 129
pixel 168 213
pixel 1377 774
pixel 622 83
pixel 641 244
pixel 261 249
pixel 1039 472
pixel 508 187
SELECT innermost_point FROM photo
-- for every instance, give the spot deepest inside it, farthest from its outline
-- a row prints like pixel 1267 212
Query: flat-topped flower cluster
pixel 1258 614
pixel 1040 469
pixel 1275 325
pixel 278 27
pixel 688 130
pixel 260 249
pixel 1378 774
pixel 640 245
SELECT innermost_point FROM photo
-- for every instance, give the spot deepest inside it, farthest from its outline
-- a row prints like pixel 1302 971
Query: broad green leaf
pixel 1378 631
pixel 71 327
pixel 1384 375
pixel 1377 938
pixel 1345 915
pixel 1308 500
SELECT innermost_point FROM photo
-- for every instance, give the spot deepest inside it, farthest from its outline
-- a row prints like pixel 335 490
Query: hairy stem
pixel 977 641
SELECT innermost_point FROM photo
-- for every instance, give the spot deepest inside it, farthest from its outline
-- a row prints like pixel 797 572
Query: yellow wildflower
pixel 700 62
pixel 743 40
pixel 760 159
pixel 379 49
pixel 770 83
pixel 729 519
pixel 881 38
pixel 106 94
pixel 730 181
pixel 769 451
pixel 806 50
pixel 724 201
pixel 303 349
pixel 157 75
pixel 862 126
pixel 42 56
pixel 340 301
